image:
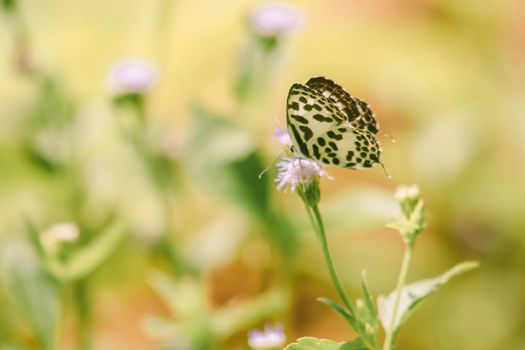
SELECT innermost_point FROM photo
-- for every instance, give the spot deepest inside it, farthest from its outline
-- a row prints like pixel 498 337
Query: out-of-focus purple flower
pixel 274 19
pixel 58 234
pixel 270 338
pixel 283 137
pixel 295 171
pixel 132 76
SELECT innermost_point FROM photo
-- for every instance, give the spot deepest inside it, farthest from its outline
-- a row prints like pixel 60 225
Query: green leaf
pixel 158 327
pixel 9 5
pixel 356 344
pixel 223 156
pixel 35 293
pixel 185 297
pixel 311 343
pixel 249 313
pixel 410 227
pixel 87 258
pixel 340 310
pixel 414 294
pixel 372 311
pixel 34 238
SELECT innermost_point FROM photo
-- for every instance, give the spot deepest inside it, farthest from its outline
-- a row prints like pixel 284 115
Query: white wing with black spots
pixel 357 112
pixel 325 123
pixel 347 147
pixel 309 114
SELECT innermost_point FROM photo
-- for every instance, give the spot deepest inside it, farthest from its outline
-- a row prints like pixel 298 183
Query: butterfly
pixel 329 125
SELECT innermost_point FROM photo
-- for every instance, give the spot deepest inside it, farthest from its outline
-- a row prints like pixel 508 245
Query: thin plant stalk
pixel 83 314
pixel 160 180
pixel 317 222
pixel 400 283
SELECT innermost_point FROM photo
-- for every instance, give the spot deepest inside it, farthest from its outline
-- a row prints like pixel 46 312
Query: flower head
pixel 297 170
pixel 59 234
pixel 275 19
pixel 270 338
pixel 408 197
pixel 406 193
pixel 283 137
pixel 132 76
pixel 412 221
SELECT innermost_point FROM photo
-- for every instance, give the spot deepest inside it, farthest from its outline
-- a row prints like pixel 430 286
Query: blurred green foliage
pixel 445 78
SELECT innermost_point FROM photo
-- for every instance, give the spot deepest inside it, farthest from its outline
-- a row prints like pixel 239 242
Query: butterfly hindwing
pixel 357 112
pixel 347 147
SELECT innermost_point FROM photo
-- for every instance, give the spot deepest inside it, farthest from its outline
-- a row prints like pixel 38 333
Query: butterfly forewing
pixel 327 124
pixel 357 112
pixel 309 114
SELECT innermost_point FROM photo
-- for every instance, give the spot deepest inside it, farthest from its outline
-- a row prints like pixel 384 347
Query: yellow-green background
pixel 446 80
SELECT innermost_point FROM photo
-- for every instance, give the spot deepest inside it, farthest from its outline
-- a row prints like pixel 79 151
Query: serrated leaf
pixel 356 344
pixel 414 294
pixel 311 343
pixel 340 310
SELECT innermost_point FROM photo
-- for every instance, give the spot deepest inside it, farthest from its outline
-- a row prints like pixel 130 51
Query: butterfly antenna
pixel 264 172
pixel 387 136
pixel 386 172
pixel 271 165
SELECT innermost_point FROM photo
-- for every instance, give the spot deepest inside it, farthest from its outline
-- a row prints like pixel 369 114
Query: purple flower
pixel 297 170
pixel 283 137
pixel 132 76
pixel 270 338
pixel 274 19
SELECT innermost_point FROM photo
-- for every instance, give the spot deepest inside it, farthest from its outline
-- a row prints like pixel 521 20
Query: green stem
pixel 400 283
pixel 62 299
pixel 160 178
pixel 83 314
pixel 317 222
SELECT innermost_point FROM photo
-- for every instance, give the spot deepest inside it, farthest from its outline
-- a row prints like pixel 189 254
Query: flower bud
pixel 412 222
pixel 58 235
pixel 407 196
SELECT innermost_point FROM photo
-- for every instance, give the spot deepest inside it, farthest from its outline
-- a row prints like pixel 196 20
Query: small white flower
pixel 406 193
pixel 274 19
pixel 270 338
pixel 58 234
pixel 283 137
pixel 132 76
pixel 293 171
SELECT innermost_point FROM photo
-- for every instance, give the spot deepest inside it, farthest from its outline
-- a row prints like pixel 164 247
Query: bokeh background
pixel 203 249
